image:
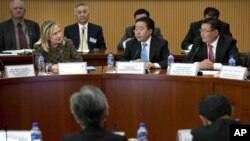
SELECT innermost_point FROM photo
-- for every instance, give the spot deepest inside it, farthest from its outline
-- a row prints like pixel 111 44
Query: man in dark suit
pixel 129 31
pixel 75 32
pixel 215 113
pixel 9 30
pixel 194 32
pixel 212 47
pixel 146 47
pixel 90 107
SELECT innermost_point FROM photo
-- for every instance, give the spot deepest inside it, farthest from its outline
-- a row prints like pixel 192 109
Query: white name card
pixel 72 68
pixel 130 67
pixel 19 71
pixel 231 72
pixel 13 135
pixel 185 69
pixel 184 135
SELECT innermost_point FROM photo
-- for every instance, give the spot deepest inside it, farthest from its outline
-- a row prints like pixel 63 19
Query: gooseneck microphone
pixel 136 53
pixel 192 58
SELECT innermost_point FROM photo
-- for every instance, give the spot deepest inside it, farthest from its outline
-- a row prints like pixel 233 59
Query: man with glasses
pixel 146 47
pixel 193 31
pixel 212 47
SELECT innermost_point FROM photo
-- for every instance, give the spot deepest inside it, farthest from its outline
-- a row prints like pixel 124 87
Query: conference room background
pixel 172 16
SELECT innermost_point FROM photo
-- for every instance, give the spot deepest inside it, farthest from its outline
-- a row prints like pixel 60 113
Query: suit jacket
pixel 95 36
pixel 158 51
pixel 8 37
pixel 217 131
pixel 226 46
pixel 129 33
pixel 194 32
pixel 93 133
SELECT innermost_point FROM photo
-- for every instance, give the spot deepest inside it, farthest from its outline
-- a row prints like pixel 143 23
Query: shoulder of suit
pixel 94 25
pixel 71 26
pixel 30 21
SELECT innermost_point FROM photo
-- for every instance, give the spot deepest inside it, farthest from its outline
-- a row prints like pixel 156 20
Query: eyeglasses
pixel 205 31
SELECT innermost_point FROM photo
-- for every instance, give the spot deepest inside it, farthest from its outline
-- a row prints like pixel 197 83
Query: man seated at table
pixel 212 47
pixel 129 31
pixel 145 46
pixel 215 113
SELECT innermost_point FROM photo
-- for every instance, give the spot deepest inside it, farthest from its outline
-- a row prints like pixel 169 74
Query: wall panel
pixel 172 16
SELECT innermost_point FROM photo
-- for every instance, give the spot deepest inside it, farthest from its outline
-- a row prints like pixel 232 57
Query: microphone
pixel 136 53
pixel 192 58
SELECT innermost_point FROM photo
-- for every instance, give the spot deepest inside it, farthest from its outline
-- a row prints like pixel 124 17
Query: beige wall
pixel 172 16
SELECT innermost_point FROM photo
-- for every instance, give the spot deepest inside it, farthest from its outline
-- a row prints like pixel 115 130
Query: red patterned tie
pixel 210 53
pixel 22 40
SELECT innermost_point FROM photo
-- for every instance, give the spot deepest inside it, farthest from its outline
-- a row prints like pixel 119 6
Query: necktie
pixel 84 45
pixel 210 53
pixel 22 40
pixel 144 56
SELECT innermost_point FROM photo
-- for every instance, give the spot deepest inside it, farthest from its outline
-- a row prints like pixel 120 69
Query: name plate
pixel 231 72
pixel 19 71
pixel 15 135
pixel 130 67
pixel 184 69
pixel 72 68
pixel 184 135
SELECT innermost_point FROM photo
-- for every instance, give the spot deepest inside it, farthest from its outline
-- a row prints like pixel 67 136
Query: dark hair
pixel 149 22
pixel 215 23
pixel 214 106
pixel 141 11
pixel 211 12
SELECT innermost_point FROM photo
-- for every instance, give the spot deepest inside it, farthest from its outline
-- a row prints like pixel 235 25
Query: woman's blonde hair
pixel 46 33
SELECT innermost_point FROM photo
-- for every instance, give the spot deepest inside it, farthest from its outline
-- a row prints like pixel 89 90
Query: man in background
pixel 194 32
pixel 85 35
pixel 216 115
pixel 18 32
pixel 129 31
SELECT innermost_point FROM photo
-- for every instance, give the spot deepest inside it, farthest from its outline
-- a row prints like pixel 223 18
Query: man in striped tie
pixel 212 47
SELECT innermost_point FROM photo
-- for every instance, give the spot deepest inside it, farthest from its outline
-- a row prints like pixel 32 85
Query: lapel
pixel 203 53
pixel 219 49
pixel 75 29
pixel 11 34
pixel 152 50
pixel 90 31
pixel 137 50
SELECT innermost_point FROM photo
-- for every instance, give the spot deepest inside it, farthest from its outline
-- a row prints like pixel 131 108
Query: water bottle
pixel 41 64
pixel 231 61
pixel 142 133
pixel 110 62
pixel 170 60
pixel 36 134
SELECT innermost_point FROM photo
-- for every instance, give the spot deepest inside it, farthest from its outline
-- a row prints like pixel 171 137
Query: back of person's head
pixel 89 106
pixel 141 11
pixel 214 22
pixel 211 12
pixel 214 106
pixel 149 22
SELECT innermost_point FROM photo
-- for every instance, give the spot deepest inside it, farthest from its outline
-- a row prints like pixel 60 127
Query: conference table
pixel 165 103
pixel 93 58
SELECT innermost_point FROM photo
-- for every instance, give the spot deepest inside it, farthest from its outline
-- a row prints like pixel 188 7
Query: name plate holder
pixel 72 68
pixel 183 69
pixel 231 72
pixel 130 67
pixel 12 71
pixel 15 135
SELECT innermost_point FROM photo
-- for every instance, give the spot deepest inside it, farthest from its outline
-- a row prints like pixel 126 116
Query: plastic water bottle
pixel 41 64
pixel 36 134
pixel 142 133
pixel 170 60
pixel 231 61
pixel 110 62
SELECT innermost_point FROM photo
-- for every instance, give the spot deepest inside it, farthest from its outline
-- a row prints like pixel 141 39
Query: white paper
pixel 72 68
pixel 15 135
pixel 130 67
pixel 184 135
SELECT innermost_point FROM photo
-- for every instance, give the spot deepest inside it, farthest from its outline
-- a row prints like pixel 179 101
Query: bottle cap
pixel 142 124
pixel 35 124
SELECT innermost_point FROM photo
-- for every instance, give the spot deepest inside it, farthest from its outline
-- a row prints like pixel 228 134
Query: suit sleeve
pixel 157 32
pixel 100 39
pixel 188 40
pixel 124 37
pixel 126 56
pixel 234 51
pixel 226 30
pixel 164 53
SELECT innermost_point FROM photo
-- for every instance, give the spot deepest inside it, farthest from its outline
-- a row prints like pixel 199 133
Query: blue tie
pixel 144 56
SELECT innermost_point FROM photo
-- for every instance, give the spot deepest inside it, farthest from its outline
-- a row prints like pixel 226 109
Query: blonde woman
pixel 54 47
